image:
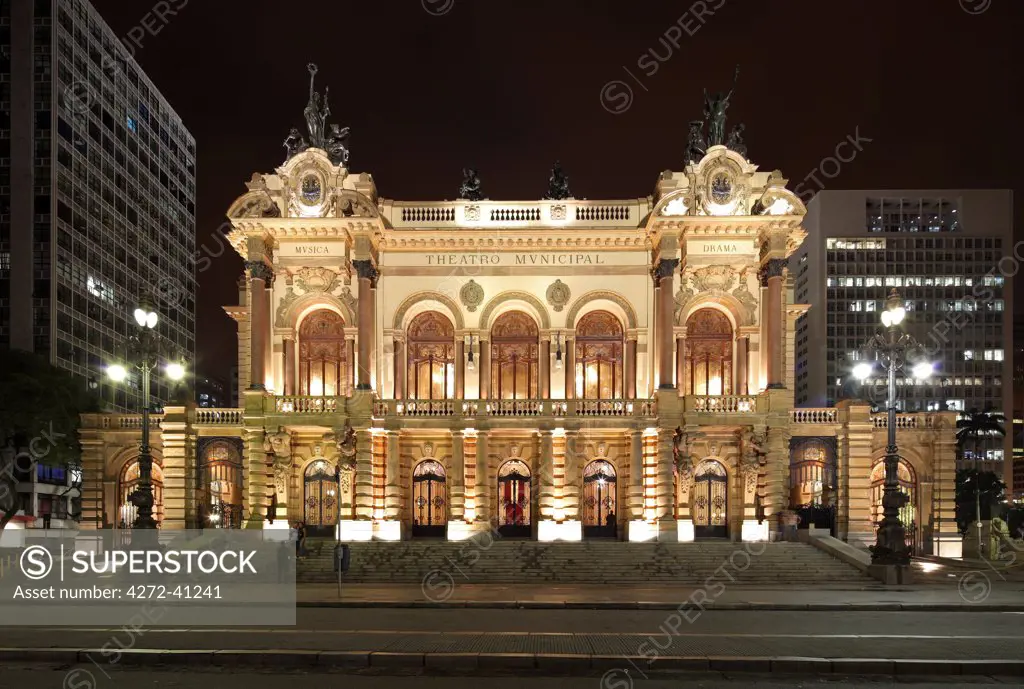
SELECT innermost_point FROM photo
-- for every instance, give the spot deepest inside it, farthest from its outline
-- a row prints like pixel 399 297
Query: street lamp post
pixel 893 346
pixel 145 349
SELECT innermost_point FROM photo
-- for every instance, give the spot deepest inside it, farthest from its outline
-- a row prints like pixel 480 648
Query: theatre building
pixel 555 369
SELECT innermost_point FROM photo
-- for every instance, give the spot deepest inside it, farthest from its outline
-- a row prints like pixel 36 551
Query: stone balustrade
pixel 821 415
pixel 722 404
pixel 904 420
pixel 299 404
pixel 127 421
pixel 561 212
pixel 215 417
pixel 515 408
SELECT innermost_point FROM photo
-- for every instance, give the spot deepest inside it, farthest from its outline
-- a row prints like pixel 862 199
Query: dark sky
pixel 429 87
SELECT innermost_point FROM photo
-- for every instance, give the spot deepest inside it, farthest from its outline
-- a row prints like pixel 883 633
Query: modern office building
pixel 1018 412
pixel 97 196
pixel 949 254
pixel 211 392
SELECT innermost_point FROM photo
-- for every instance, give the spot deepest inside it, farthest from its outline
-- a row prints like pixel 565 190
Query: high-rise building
pixel 97 196
pixel 1017 485
pixel 211 392
pixel 949 255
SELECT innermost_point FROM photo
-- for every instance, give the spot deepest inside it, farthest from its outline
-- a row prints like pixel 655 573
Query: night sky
pixel 429 87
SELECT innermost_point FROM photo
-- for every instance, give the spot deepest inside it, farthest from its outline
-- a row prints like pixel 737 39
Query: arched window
pixel 323 363
pixel 431 357
pixel 514 348
pixel 129 482
pixel 708 353
pixel 599 356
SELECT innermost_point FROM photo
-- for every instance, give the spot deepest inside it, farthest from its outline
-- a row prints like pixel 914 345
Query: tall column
pixel 482 489
pixel 367 282
pixel 255 478
pixel 289 367
pixel 631 366
pixel 663 273
pixel 572 483
pixel 268 347
pixel 636 475
pixel 400 366
pixel 485 369
pixel 544 379
pixel 260 276
pixel 362 484
pixel 460 368
pixel 546 475
pixel 771 278
pixel 392 479
pixel 457 490
pixel 742 354
pixel 570 366
pixel 350 350
pixel 681 363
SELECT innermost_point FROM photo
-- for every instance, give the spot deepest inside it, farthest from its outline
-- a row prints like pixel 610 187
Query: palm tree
pixel 976 425
pixel 973 427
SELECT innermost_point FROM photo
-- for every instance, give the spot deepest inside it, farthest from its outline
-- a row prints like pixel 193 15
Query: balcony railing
pixel 308 405
pixel 822 415
pixel 903 420
pixel 515 408
pixel 212 416
pixel 130 420
pixel 724 404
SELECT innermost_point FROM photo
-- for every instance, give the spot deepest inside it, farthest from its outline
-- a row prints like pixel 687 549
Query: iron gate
pixel 599 497
pixel 710 501
pixel 514 499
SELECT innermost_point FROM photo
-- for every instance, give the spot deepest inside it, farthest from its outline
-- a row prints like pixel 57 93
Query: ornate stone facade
pixel 450 333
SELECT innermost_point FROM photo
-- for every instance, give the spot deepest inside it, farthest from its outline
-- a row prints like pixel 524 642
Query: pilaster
pixel 93 473
pixel 178 500
pixel 393 487
pixel 545 476
pixel 855 451
pixel 481 490
pixel 457 487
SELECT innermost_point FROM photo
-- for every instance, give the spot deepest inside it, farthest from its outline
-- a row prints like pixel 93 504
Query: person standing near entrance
pixel 790 522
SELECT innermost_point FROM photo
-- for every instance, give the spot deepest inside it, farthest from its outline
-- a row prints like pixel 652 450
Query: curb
pixel 554 663
pixel 642 605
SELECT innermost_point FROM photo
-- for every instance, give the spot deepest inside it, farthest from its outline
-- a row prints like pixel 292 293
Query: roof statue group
pixel 336 141
pixel 714 116
pixel 558 184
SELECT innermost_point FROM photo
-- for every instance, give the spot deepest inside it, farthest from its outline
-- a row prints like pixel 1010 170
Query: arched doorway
pixel 514 350
pixel 708 361
pixel 600 514
pixel 429 500
pixel 514 499
pixel 321 498
pixel 709 500
pixel 128 482
pixel 812 482
pixel 908 485
pixel 599 356
pixel 431 357
pixel 220 483
pixel 323 356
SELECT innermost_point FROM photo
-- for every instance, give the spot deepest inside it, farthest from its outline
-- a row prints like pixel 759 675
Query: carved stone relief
pixel 471 295
pixel 558 295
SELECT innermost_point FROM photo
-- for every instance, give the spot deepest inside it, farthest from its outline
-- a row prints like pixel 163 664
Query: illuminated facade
pixel 557 369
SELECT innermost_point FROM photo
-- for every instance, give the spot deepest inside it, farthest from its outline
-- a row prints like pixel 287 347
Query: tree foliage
pixel 40 406
pixel 974 487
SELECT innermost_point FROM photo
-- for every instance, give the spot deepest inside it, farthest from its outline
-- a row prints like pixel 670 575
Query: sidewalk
pixel 977 593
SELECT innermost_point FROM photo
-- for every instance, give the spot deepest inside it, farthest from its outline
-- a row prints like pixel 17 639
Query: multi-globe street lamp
pixel 893 348
pixel 145 351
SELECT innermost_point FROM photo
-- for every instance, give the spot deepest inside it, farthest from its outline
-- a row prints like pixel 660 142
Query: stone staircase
pixel 589 562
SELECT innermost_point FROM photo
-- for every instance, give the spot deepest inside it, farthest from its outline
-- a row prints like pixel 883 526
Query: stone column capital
pixel 366 270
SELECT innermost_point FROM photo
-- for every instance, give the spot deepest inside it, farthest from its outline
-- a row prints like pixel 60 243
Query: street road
pixel 53 677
